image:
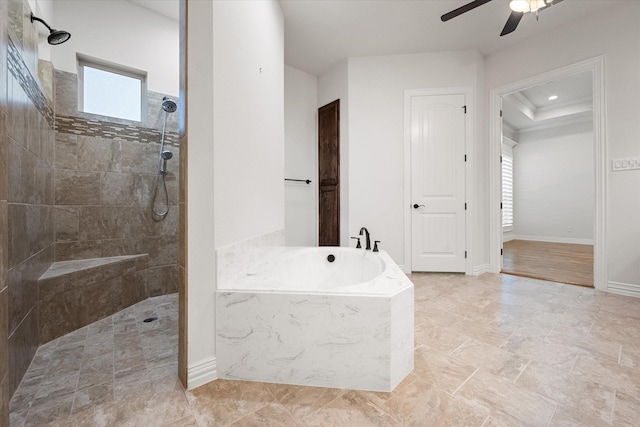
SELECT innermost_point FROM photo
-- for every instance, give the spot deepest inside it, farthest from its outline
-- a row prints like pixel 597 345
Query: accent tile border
pixel 29 84
pixel 104 129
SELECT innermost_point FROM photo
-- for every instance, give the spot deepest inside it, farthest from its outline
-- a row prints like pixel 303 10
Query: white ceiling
pixel 319 33
pixel 531 108
pixel 168 8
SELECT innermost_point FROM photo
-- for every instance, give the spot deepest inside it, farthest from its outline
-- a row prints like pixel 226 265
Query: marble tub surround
pixel 73 294
pixel 232 261
pixel 351 335
pixel 562 333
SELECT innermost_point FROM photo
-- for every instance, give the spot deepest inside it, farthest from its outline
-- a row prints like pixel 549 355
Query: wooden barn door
pixel 329 174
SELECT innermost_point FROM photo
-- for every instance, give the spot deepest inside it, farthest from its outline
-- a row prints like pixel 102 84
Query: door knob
pixel 416 206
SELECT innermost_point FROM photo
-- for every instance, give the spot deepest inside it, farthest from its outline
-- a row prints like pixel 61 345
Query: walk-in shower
pixel 169 106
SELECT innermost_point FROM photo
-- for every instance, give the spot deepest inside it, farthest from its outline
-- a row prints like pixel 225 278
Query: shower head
pixel 165 155
pixel 55 36
pixel 169 105
pixel 58 37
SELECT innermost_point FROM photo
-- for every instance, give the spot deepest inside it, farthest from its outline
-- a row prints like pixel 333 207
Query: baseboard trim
pixel 624 289
pixel 201 373
pixel 481 269
pixel 553 239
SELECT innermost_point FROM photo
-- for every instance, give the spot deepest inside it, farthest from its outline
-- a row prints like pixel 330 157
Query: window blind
pixel 507 187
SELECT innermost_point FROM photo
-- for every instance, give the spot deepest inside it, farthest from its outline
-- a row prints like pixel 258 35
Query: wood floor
pixel 556 262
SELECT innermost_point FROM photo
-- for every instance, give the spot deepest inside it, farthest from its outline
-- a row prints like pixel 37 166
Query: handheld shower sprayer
pixel 166 155
pixel 168 106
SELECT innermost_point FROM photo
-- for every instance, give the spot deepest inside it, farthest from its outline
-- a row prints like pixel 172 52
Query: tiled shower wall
pixel 4 290
pixel 105 175
pixel 26 198
pixel 81 192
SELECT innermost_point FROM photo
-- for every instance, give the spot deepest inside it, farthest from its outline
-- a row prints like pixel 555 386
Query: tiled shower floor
pixel 494 350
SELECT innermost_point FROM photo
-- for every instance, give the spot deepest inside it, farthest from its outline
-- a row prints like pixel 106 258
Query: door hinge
pixel 500 113
pixel 465 157
pixel 500 159
pixel 500 205
pixel 464 107
pixel 465 254
pixel 465 206
pixel 500 251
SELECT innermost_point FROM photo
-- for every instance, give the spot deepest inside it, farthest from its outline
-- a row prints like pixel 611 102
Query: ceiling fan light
pixel 536 4
pixel 520 5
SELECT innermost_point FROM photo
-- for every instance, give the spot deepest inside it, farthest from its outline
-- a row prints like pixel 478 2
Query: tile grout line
pixel 620 354
pixel 575 360
pixel 75 390
pixel 465 381
pixel 552 415
pixel 521 372
pixel 325 405
pixel 506 341
pixel 613 405
pixel 458 347
pixel 549 333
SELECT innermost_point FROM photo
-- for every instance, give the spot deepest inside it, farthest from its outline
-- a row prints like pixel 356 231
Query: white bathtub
pixel 296 318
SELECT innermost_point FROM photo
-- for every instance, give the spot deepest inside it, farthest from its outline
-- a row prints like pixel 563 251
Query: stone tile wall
pixel 81 192
pixel 4 289
pixel 105 175
pixel 73 294
pixel 182 196
pixel 26 198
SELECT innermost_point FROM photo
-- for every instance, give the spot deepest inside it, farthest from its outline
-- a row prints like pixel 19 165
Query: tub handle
pixel 358 246
pixel 375 246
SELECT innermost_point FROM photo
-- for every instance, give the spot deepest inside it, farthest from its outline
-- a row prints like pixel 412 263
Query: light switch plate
pixel 625 164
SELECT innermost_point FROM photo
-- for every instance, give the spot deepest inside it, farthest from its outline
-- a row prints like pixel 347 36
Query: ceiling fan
pixel 518 9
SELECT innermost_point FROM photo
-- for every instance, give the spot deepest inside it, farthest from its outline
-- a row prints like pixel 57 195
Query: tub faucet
pixel 368 238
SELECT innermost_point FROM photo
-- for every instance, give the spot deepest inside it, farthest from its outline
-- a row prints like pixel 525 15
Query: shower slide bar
pixel 308 181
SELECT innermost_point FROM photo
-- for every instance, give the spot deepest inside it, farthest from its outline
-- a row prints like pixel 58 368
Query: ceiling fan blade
pixel 463 9
pixel 512 23
pixel 551 3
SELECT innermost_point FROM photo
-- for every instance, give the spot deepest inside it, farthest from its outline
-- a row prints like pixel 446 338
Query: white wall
pixel 43 9
pixel 554 184
pixel 332 85
pixel 300 161
pixel 121 32
pixel 376 134
pixel 200 263
pixel 615 34
pixel 235 130
pixel 248 102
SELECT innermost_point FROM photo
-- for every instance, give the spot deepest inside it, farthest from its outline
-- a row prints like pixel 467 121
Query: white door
pixel 438 183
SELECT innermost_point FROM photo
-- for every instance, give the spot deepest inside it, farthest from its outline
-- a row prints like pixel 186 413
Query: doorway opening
pixel 547 139
pixel 565 243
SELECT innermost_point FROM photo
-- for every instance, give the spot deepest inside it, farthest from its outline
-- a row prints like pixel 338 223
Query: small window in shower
pixel 110 89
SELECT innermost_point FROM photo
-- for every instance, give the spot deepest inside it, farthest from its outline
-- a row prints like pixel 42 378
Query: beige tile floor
pixel 494 350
